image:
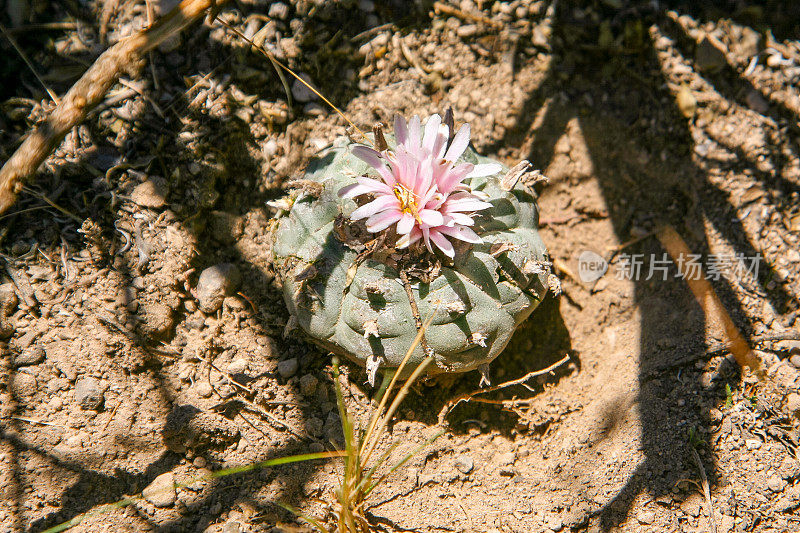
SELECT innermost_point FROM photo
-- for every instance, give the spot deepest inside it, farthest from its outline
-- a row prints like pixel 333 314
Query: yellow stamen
pixel 408 201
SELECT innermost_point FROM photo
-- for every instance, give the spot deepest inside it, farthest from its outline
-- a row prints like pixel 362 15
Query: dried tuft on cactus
pixel 419 225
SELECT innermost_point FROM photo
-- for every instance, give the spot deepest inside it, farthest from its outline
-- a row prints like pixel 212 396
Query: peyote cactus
pixel 353 249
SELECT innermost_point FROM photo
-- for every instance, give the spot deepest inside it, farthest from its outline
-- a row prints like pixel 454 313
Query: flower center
pixel 408 201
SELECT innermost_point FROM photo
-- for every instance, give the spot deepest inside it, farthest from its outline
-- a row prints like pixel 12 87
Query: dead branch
pixel 519 381
pixel 709 301
pixel 124 58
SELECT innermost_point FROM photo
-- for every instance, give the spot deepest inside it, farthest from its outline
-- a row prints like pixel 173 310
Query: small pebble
pixel 278 10
pixel 776 484
pixel 288 368
pixel 308 384
pixel 151 193
pixel 646 517
pixel 301 92
pixel 793 402
pixel 200 462
pixel 214 284
pixel 89 394
pixel 505 459
pixel 24 384
pixel 232 527
pixel 464 464
pixel 203 389
pixel 467 30
pixel 161 492
pixel 752 444
pixel 30 356
pixel 270 148
pixel 237 366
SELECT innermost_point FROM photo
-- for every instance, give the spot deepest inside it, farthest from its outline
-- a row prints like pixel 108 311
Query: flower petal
pixel 431 218
pixel 459 144
pixel 406 224
pixel 353 190
pixel 460 218
pixel 376 160
pixel 442 243
pixel 378 187
pixel 408 239
pixel 413 135
pixel 465 204
pixel 485 169
pixel 462 233
pixel 451 179
pixel 426 237
pixel 431 132
pixel 400 129
pixel 383 220
pixel 381 203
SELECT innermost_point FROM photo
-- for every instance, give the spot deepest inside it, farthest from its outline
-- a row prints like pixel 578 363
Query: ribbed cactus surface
pixel 360 309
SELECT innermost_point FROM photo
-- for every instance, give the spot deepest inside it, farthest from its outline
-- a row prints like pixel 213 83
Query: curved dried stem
pixel 124 58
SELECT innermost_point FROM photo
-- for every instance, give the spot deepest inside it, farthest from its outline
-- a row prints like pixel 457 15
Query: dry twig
pixel 706 490
pixel 519 381
pixel 125 57
pixel 709 301
pixel 441 7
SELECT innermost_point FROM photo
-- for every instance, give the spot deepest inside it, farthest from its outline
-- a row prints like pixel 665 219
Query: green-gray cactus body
pixel 362 310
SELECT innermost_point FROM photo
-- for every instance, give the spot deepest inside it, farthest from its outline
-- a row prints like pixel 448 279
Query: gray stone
pixel 464 464
pixel 215 284
pixel 314 426
pixel 151 193
pixel 161 492
pixel 30 356
pixel 756 102
pixel 300 92
pixel 288 368
pixel 89 394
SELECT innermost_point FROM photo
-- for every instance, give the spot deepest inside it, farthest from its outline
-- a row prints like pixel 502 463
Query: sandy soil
pixel 119 371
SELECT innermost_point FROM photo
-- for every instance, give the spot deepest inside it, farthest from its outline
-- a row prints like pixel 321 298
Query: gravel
pixel 215 284
pixel 151 193
pixel 161 492
pixel 288 368
pixel 30 356
pixel 89 394
pixel 300 92
pixel 278 10
pixel 308 385
pixel 464 464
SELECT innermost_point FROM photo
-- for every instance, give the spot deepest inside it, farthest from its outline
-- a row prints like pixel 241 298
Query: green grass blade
pixel 399 397
pixel 310 519
pixel 403 461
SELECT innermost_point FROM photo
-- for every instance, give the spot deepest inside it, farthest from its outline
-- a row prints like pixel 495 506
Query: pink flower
pixel 421 190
